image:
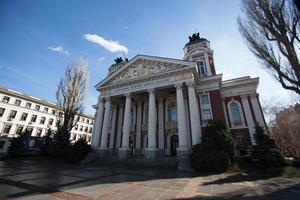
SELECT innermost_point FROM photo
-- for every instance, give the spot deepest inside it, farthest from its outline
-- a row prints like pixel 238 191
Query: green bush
pixel 76 152
pixel 19 144
pixel 265 154
pixel 216 151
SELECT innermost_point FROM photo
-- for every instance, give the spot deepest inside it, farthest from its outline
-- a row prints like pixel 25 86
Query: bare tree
pixel 70 96
pixel 271 30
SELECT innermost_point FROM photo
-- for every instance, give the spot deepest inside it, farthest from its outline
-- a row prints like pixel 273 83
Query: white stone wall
pixel 86 122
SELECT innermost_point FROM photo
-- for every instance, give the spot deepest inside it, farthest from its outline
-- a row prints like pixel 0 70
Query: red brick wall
pixel 244 131
pixel 216 105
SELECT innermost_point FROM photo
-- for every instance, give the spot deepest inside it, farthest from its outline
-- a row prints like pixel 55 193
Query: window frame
pixel 234 125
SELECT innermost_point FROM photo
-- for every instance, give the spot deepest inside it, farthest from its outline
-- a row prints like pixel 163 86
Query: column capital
pixel 100 98
pixel 254 95
pixel 127 95
pixel 190 84
pixel 178 85
pixel 151 90
pixel 245 96
pixel 107 98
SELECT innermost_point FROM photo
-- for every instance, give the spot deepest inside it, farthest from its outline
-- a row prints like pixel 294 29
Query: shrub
pixel 58 143
pixel 18 144
pixel 76 152
pixel 265 153
pixel 216 151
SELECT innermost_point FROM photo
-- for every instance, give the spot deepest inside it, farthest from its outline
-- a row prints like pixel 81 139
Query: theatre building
pixel 155 106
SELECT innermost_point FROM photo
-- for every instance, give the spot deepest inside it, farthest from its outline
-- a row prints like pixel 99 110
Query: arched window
pixel 235 114
pixel 172 112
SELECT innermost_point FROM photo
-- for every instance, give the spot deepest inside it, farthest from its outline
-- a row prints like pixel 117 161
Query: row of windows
pixel 85 129
pixel 28 105
pixel 24 116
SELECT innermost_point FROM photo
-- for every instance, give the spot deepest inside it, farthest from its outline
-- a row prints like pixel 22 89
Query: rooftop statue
pixel 194 37
pixel 120 60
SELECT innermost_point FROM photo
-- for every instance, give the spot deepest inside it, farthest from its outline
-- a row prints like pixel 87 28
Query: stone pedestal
pixel 161 152
pixel 184 162
pixel 124 153
pixel 137 152
pixel 103 152
pixel 151 154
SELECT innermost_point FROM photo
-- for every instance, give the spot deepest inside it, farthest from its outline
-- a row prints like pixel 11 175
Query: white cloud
pixel 101 59
pixel 109 45
pixel 59 49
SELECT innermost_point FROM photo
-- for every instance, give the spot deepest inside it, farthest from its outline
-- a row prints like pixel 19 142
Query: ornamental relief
pixel 142 70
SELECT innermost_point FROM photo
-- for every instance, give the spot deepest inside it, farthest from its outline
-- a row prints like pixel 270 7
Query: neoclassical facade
pixel 154 106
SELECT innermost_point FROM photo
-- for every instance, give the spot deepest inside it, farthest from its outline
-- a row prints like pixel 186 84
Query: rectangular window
pixel 24 116
pixel 76 127
pixel 50 122
pixel 2 111
pixel 43 119
pixel 5 99
pixel 33 118
pixel 6 129
pixel 19 130
pixel 37 107
pixel 91 129
pixel 18 102
pixel 81 128
pixel 39 132
pixel 204 99
pixel 30 129
pixel 53 112
pixel 46 109
pixel 87 121
pixel 86 129
pixel 28 105
pixel 206 113
pixel 12 114
pixel 202 68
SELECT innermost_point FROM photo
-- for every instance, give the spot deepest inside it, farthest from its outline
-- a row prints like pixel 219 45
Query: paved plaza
pixel 52 179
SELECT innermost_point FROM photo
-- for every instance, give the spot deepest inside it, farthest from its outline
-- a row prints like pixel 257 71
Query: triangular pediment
pixel 143 66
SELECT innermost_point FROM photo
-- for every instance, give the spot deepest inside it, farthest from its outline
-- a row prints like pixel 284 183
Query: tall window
pixel 37 107
pixel 39 132
pixel 6 129
pixel 12 114
pixel 172 112
pixel 46 109
pixel 50 122
pixel 202 68
pixel 235 114
pixel 33 118
pixel 28 105
pixel 5 99
pixel 18 102
pixel 24 117
pixel 43 119
pixel 205 108
pixel 2 111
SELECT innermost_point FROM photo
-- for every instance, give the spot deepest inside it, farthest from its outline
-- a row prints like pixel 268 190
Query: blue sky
pixel 39 38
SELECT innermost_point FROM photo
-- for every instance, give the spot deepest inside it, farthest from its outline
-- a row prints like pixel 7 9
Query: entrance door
pixel 174 145
pixel 131 144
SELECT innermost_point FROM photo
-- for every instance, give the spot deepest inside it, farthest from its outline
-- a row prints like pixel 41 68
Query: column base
pixel 137 152
pixel 124 153
pixel 103 152
pixel 184 161
pixel 151 154
pixel 161 152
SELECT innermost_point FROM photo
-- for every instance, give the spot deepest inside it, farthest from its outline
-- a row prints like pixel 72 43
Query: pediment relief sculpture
pixel 141 70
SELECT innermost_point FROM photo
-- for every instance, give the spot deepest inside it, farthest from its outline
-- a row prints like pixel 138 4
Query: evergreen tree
pixel 265 153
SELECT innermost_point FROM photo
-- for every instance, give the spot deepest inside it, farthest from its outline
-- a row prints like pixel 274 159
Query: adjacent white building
pixel 19 111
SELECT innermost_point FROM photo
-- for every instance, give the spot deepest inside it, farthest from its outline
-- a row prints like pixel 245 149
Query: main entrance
pixel 174 145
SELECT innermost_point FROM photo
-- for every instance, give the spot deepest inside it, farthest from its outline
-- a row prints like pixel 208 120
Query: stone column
pixel 119 131
pixel 112 129
pixel 125 150
pixel 249 118
pixel 257 110
pixel 182 150
pixel 105 126
pixel 194 115
pixel 98 124
pixel 138 128
pixel 151 151
pixel 161 132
